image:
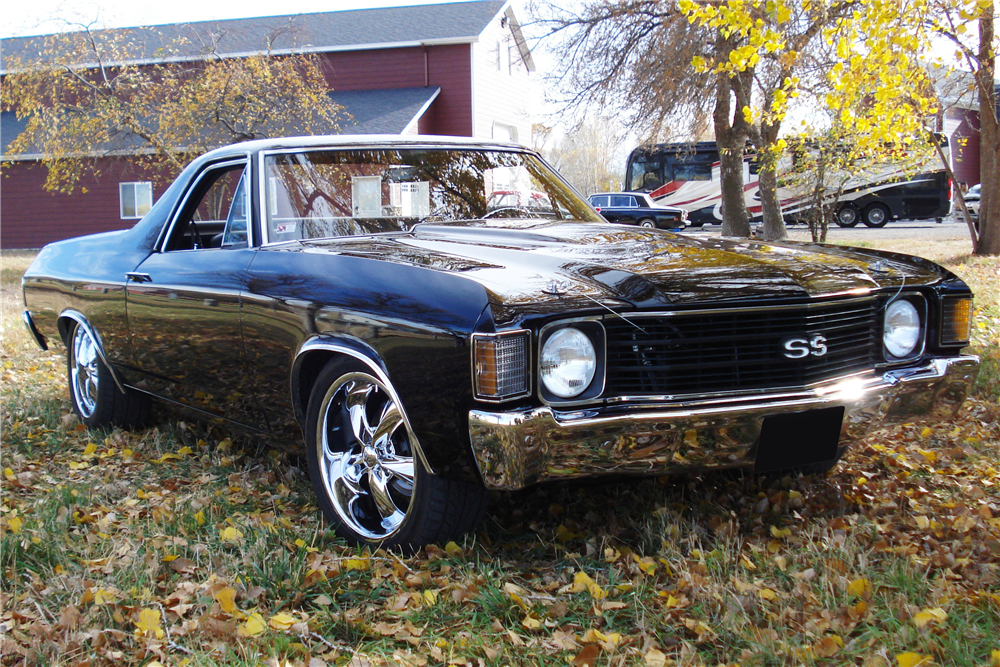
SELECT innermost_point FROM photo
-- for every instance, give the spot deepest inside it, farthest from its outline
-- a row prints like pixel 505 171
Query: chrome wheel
pixel 365 456
pixel 847 216
pixel 84 369
pixel 876 215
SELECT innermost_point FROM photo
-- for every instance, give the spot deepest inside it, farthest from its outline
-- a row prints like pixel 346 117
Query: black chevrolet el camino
pixel 360 291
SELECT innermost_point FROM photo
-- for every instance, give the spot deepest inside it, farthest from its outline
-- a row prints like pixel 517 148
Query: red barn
pixel 449 69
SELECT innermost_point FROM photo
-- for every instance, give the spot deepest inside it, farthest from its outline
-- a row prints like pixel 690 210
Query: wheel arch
pixel 68 319
pixel 314 354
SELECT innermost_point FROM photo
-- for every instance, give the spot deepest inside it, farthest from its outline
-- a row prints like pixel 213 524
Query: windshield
pixel 324 193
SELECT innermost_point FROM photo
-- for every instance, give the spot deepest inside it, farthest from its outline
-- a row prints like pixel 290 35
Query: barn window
pixel 135 199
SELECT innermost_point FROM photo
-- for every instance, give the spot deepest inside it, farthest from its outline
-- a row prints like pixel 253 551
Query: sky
pixel 40 17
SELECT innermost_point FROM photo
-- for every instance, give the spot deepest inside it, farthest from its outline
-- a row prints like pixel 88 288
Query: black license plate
pixel 798 439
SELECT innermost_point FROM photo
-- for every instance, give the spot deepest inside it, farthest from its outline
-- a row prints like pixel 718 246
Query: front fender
pixel 336 346
pixel 70 318
pixel 430 382
pixel 314 353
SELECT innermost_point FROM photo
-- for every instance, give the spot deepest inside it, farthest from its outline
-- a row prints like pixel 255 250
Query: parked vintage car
pixel 358 291
pixel 638 208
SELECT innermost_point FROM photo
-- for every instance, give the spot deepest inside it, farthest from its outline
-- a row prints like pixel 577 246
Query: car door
pixel 184 301
pixel 621 209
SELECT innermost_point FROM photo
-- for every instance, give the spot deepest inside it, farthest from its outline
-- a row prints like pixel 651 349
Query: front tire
pixel 848 216
pixel 366 471
pixel 92 389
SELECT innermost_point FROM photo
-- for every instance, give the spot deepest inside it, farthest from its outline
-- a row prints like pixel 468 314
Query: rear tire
pixel 876 215
pixel 92 389
pixel 646 222
pixel 367 473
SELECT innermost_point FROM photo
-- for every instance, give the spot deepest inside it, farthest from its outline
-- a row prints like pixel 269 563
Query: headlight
pixel 902 328
pixel 568 362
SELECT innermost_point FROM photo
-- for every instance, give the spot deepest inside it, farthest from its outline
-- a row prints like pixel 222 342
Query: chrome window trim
pixel 262 156
pixel 527 370
pixel 602 361
pixel 168 229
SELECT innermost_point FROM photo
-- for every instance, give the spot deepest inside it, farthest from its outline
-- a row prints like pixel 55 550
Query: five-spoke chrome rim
pixel 83 370
pixel 365 456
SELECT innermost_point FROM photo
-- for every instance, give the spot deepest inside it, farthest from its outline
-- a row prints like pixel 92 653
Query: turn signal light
pixel 956 320
pixel 500 365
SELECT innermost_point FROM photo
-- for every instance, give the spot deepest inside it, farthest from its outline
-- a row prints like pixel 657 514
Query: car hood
pixel 533 268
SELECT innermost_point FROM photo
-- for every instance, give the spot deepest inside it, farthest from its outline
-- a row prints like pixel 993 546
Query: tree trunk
pixel 774 222
pixel 817 216
pixel 989 140
pixel 735 221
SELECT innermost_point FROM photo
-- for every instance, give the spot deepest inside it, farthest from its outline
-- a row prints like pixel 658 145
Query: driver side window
pixel 216 211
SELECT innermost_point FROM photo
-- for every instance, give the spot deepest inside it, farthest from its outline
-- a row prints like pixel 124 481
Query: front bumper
pixel 517 448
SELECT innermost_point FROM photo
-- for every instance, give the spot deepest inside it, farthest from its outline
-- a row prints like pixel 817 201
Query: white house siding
pixel 501 98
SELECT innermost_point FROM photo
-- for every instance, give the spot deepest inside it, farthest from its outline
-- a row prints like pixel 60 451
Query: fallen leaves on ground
pixel 180 542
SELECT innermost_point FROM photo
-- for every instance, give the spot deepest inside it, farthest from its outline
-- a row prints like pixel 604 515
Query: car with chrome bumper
pixel 638 208
pixel 360 296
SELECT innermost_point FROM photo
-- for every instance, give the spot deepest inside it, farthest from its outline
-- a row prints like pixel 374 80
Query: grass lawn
pixel 183 544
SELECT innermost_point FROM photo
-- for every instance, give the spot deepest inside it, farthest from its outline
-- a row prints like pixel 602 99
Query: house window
pixel 502 132
pixel 135 199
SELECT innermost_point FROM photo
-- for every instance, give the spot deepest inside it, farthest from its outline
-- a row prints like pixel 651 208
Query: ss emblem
pixel 799 347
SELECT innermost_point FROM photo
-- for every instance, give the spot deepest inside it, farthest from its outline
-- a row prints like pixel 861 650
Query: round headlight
pixel 902 328
pixel 568 362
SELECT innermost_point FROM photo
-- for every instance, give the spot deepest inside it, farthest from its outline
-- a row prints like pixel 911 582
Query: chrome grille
pixel 720 350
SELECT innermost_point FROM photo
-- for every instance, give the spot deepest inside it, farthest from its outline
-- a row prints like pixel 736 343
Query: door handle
pixel 138 277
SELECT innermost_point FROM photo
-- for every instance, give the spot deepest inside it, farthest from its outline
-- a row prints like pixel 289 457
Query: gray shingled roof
pixel 10 127
pixel 387 111
pixel 455 22
pixel 384 111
